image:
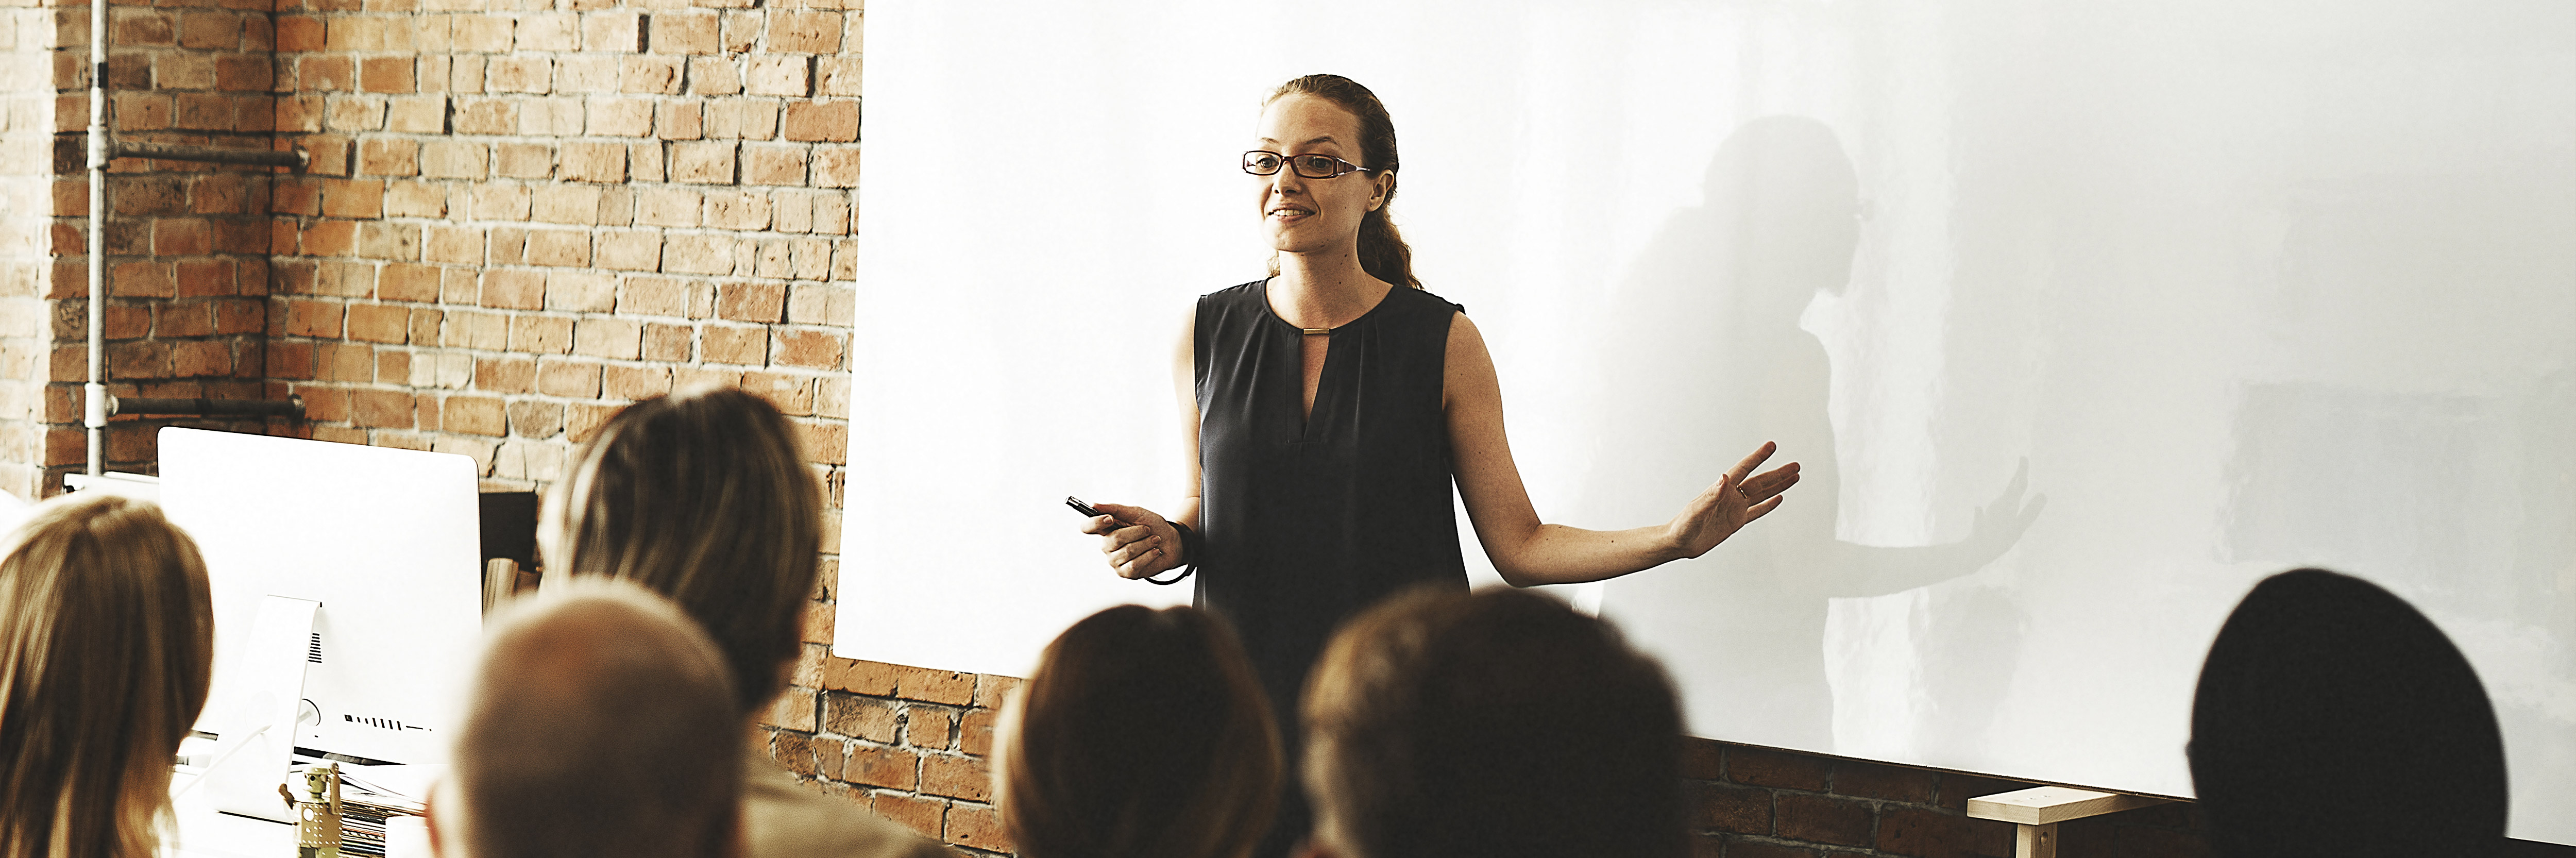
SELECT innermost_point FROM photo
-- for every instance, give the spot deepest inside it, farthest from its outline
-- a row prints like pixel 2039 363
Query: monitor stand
pixel 267 687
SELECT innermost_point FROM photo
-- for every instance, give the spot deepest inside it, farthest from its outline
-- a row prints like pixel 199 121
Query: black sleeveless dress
pixel 1308 520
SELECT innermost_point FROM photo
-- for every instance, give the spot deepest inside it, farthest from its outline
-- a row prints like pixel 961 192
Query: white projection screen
pixel 2180 294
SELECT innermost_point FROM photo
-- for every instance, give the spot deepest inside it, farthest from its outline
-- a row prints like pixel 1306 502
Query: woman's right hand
pixel 1138 542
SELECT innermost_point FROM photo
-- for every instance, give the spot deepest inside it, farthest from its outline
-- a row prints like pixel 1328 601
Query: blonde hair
pixel 1141 734
pixel 602 723
pixel 705 497
pixel 106 647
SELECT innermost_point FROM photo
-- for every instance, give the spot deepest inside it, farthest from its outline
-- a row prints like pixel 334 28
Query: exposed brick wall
pixel 186 245
pixel 524 215
pixel 1765 803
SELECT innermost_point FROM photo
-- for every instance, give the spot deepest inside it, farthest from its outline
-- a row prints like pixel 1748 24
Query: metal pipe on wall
pixel 94 393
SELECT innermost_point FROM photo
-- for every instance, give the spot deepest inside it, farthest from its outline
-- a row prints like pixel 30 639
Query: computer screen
pixel 384 539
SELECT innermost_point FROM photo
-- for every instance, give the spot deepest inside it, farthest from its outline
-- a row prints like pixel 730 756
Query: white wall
pixel 2185 293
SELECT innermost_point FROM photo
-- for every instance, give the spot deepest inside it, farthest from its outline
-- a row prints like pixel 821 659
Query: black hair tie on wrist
pixel 1190 547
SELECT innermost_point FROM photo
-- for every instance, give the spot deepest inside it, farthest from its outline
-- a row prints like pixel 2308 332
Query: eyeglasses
pixel 1262 162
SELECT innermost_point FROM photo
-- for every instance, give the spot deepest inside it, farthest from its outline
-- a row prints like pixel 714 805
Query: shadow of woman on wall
pixel 1706 354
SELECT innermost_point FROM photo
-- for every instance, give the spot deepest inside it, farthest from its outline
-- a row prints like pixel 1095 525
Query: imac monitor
pixel 385 540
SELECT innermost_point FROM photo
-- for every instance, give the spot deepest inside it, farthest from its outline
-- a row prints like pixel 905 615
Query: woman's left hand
pixel 1738 498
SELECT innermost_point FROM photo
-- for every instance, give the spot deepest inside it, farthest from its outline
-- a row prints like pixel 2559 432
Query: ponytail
pixel 1383 253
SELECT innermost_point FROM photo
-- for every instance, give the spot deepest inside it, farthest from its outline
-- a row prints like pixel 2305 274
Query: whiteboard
pixel 2181 294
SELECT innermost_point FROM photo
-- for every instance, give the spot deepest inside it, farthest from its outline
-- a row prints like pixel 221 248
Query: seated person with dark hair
pixel 2333 719
pixel 1435 727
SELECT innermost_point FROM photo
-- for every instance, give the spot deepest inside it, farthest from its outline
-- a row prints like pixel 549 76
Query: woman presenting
pixel 1328 409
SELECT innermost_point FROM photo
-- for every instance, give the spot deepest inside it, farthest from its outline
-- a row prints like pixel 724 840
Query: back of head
pixel 2333 719
pixel 1141 734
pixel 1435 727
pixel 106 646
pixel 704 497
pixel 601 723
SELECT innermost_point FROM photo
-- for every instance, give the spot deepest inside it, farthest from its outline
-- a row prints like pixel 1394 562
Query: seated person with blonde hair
pixel 601 723
pixel 106 647
pixel 705 497
pixel 1141 734
pixel 1436 727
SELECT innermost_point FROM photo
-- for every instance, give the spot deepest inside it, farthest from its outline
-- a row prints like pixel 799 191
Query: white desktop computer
pixel 347 600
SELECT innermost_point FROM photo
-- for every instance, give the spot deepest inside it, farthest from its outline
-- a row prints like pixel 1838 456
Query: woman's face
pixel 1302 215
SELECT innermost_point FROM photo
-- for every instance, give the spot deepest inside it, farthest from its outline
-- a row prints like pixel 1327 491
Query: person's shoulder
pixel 1424 301
pixel 1235 294
pixel 781 818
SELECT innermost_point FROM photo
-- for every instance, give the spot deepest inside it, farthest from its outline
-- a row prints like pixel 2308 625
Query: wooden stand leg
pixel 2036 841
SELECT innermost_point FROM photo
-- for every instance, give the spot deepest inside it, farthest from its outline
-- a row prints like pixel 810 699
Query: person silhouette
pixel 1708 353
pixel 2333 719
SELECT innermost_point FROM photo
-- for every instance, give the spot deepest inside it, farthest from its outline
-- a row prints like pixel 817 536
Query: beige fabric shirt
pixel 783 820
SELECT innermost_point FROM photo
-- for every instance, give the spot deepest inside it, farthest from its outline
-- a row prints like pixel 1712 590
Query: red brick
pixel 1761 767
pixel 575 379
pixel 298 33
pixel 666 342
pixel 619 339
pixel 804 32
pixel 1818 819
pixel 1928 834
pixel 891 768
pixel 381 408
pixel 1872 780
pixel 956 777
pixel 201 358
pixel 975 731
pixel 735 344
pixel 594 162
pixel 927 728
pixel 141 280
pixel 1742 810
pixel 514 289
pixel 346 362
pixel 1703 759
pixel 505 375
pixel 684 33
pixel 408 282
pixel 180 237
pixel 977 827
pixel 836 166
pixel 379 323
pixel 477 415
pixel 386 74
pixel 860 717
pixel 541 334
pixel 312 319
pixel 394 367
pixel 383 157
pixel 917 813
pixel 751 302
pixel 823 121
pixel 540 420
pixel 290 360
pixel 793 710
pixel 808 348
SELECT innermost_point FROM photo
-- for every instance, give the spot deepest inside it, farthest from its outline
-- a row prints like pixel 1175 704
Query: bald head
pixel 601 723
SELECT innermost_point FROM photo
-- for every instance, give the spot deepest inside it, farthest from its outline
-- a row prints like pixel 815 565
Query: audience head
pixel 106 646
pixel 704 497
pixel 2332 719
pixel 601 722
pixel 1435 726
pixel 1141 734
